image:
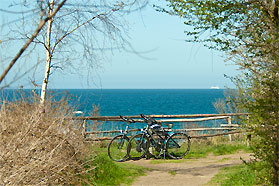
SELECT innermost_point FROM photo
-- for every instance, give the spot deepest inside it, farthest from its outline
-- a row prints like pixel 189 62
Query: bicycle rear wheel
pixel 178 145
pixel 117 148
pixel 138 146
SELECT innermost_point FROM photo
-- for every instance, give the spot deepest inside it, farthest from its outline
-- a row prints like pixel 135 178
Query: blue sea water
pixel 136 101
pixel 113 102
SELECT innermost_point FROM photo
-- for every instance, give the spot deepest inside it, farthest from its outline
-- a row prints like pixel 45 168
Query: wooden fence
pixel 227 128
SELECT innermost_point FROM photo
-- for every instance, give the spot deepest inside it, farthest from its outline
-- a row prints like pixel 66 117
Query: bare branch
pixel 37 31
pixel 68 33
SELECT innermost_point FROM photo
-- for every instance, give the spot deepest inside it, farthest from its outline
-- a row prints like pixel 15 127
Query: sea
pixel 114 102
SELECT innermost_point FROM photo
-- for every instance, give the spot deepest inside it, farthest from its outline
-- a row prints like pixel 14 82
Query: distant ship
pixel 214 87
pixel 78 112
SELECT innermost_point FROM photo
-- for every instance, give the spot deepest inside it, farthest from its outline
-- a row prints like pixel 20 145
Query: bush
pixel 39 148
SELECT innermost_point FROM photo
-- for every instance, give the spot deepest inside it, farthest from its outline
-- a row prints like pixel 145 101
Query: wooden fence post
pixel 230 123
pixel 84 125
pixel 248 139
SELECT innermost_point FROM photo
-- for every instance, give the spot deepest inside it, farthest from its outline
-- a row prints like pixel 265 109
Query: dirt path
pixel 186 172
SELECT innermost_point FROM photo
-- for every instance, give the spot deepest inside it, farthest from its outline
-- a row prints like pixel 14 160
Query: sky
pixel 163 60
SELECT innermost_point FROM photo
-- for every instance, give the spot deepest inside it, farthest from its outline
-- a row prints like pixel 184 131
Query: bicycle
pixel 175 145
pixel 117 148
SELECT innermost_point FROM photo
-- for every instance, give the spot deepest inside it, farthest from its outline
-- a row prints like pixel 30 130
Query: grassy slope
pixel 108 172
pixel 234 176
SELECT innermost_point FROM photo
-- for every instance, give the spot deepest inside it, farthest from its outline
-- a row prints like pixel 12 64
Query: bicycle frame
pixel 128 122
pixel 162 141
pixel 119 140
pixel 155 142
pixel 125 132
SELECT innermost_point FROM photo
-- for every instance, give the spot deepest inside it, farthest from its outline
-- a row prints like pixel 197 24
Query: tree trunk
pixel 48 57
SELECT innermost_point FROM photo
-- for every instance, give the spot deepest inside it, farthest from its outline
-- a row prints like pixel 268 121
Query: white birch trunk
pixel 48 57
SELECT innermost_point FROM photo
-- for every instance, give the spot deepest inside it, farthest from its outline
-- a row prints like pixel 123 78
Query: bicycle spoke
pixel 117 148
pixel 137 146
pixel 178 145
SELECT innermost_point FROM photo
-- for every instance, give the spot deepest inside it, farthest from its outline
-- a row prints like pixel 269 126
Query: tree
pixel 31 39
pixel 248 32
pixel 83 28
pixel 82 24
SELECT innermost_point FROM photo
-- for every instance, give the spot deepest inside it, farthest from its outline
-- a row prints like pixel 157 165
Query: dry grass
pixel 40 148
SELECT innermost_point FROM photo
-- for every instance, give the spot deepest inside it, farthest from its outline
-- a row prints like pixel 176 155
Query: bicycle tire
pixel 178 145
pixel 137 147
pixel 154 150
pixel 117 148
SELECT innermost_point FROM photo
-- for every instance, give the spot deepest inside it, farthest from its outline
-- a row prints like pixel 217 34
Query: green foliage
pixel 263 172
pixel 224 20
pixel 247 30
pixel 108 172
pixel 229 105
pixel 261 98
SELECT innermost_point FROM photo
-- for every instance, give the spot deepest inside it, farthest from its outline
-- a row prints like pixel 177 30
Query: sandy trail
pixel 187 172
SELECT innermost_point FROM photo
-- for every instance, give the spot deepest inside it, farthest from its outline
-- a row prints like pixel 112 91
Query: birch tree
pixel 30 40
pixel 95 18
pixel 80 34
pixel 48 54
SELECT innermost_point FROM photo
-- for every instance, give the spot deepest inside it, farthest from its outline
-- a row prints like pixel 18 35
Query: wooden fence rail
pixel 172 130
pixel 229 127
pixel 193 136
pixel 117 118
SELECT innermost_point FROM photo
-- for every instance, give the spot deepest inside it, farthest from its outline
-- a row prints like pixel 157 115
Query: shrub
pixel 39 148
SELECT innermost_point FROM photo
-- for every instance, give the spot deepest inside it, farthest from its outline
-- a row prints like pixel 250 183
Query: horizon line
pixel 123 88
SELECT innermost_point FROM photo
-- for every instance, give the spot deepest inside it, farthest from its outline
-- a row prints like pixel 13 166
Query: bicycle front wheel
pixel 117 148
pixel 178 145
pixel 138 146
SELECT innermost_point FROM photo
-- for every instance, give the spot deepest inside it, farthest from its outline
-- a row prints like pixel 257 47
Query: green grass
pixel 108 172
pixel 222 160
pixel 234 176
pixel 171 172
pixel 200 150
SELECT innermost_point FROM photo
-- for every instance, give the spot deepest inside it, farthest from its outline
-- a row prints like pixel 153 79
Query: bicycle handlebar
pixel 129 120
pixel 147 119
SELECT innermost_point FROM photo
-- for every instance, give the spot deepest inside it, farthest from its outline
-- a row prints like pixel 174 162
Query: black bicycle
pixel 157 141
pixel 117 148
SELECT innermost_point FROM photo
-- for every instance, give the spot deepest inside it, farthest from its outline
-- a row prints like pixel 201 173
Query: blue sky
pixel 165 60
